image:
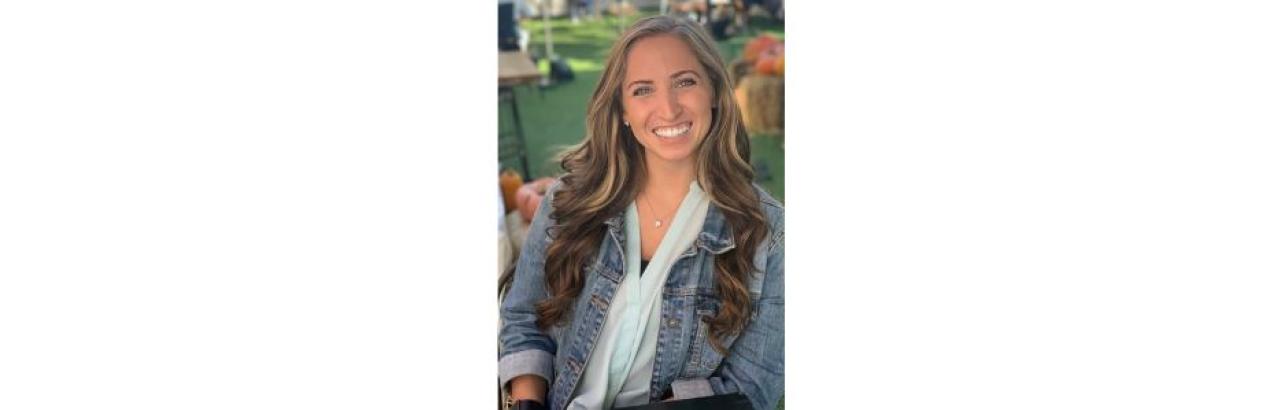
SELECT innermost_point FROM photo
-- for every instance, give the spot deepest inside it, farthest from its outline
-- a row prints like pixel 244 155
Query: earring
pixel 626 124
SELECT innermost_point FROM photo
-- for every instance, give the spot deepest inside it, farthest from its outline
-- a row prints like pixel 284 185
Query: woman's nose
pixel 670 106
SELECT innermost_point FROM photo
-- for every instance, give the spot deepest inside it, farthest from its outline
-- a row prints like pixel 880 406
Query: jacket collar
pixel 716 237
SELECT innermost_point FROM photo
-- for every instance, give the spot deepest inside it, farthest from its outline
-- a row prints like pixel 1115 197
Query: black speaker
pixel 560 70
pixel 508 38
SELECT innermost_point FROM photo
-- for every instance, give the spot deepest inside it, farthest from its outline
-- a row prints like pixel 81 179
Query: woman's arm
pixel 754 365
pixel 755 362
pixel 527 353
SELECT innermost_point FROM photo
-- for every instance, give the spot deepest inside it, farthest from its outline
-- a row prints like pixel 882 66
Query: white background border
pixel 992 205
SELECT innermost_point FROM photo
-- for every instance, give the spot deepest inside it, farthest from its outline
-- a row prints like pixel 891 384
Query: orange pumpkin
pixel 778 67
pixel 751 51
pixel 510 181
pixel 774 51
pixel 765 66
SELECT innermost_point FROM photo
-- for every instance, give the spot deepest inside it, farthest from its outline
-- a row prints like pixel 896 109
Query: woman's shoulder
pixel 774 213
pixel 772 208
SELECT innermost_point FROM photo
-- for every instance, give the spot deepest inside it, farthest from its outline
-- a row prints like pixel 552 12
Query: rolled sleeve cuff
pixel 691 389
pixel 532 361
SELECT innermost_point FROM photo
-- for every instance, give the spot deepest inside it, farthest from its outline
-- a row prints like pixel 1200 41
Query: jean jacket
pixel 685 363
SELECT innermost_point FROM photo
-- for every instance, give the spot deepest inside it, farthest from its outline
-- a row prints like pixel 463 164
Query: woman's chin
pixel 673 156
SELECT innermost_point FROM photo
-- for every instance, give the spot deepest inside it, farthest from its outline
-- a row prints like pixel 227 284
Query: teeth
pixel 669 132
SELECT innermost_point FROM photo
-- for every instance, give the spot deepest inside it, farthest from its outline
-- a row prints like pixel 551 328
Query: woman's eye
pixel 641 91
pixel 685 82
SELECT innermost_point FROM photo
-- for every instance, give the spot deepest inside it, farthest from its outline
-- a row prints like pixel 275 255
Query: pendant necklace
pixel 657 222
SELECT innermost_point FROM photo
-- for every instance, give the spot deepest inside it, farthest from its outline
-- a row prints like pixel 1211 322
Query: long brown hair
pixel 604 173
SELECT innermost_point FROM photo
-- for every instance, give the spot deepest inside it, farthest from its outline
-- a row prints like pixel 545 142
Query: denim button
pixel 573 364
pixel 599 302
pixel 673 323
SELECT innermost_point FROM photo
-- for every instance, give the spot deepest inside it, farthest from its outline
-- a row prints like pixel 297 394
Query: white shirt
pixel 621 364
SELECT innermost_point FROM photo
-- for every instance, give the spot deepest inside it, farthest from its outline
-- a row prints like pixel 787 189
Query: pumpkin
pixel 778 66
pixel 767 61
pixel 774 50
pixel 751 51
pixel 764 66
pixel 510 181
pixel 529 197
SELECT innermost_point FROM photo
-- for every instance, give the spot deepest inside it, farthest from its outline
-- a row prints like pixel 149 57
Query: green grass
pixel 555 117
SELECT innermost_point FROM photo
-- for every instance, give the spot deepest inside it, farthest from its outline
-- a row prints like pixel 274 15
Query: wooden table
pixel 516 68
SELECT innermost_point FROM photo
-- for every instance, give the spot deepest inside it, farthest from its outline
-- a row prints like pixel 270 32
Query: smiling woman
pixel 667 99
pixel 653 269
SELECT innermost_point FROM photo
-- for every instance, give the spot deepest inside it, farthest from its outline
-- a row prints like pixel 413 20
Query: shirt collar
pixel 716 236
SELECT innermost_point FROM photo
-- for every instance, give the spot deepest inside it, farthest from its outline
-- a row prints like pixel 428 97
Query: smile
pixel 673 131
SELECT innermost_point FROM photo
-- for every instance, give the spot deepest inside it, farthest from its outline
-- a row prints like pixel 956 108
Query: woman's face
pixel 666 97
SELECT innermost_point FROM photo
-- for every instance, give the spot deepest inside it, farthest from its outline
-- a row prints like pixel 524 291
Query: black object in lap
pixel 735 401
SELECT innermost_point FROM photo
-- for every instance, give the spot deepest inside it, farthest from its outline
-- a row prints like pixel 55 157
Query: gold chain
pixel 657 222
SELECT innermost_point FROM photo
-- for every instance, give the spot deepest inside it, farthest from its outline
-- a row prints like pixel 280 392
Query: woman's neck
pixel 667 182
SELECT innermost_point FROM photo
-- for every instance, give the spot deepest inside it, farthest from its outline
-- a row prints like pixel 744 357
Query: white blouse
pixel 621 364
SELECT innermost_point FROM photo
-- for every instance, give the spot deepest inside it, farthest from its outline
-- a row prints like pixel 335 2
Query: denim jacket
pixel 685 363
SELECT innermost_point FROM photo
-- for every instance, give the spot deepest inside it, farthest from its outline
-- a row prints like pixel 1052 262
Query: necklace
pixel 657 222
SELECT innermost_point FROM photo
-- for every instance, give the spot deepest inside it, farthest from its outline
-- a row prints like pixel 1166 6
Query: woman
pixel 653 268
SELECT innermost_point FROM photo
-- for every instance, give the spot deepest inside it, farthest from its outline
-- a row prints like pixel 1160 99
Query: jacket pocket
pixel 703 358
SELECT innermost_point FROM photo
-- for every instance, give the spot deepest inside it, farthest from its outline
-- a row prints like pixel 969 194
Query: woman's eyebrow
pixel 677 74
pixel 638 82
pixel 682 72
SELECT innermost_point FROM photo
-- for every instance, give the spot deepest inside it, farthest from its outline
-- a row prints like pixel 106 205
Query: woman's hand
pixel 529 387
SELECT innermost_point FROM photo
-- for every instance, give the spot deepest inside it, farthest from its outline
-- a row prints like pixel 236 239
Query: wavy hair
pixel 603 174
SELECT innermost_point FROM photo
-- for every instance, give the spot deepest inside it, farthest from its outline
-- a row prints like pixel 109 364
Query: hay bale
pixel 761 98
